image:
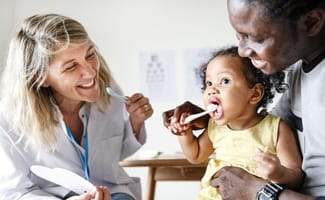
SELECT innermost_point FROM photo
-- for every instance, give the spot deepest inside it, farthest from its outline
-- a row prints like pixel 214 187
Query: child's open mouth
pixel 217 113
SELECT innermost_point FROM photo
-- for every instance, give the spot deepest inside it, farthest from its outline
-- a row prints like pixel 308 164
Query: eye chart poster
pixel 157 75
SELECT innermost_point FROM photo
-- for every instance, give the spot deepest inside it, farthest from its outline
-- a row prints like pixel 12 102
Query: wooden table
pixel 172 167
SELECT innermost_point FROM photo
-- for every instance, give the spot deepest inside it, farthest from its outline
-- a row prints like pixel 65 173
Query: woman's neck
pixel 70 109
pixel 72 120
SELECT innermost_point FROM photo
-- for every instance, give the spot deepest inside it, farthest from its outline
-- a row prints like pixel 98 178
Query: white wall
pixel 124 28
pixel 6 18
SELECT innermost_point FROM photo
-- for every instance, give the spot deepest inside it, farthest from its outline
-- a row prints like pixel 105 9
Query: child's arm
pixel 196 149
pixel 285 168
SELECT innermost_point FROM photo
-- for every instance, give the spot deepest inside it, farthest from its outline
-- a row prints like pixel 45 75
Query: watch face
pixel 269 192
pixel 262 196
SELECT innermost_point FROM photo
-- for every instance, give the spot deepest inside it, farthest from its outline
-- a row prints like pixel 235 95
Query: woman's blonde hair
pixel 28 107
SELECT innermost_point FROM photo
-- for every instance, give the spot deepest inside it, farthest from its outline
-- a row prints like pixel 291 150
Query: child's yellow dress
pixel 235 148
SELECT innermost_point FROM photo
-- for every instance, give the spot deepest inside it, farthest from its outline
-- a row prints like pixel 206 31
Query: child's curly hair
pixel 253 75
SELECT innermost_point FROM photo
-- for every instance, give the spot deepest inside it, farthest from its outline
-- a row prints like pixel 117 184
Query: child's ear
pixel 257 94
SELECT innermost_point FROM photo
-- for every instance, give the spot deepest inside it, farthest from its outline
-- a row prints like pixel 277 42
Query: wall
pixel 124 28
pixel 6 18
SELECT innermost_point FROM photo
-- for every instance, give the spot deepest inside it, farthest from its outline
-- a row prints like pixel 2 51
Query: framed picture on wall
pixel 157 75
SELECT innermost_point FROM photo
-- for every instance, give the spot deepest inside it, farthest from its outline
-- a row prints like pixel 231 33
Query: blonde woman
pixel 55 113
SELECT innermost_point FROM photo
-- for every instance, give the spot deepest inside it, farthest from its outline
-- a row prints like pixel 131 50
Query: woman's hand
pixel 101 193
pixel 140 109
pixel 175 116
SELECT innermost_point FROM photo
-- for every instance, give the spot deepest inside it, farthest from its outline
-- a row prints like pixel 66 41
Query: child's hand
pixel 187 107
pixel 179 127
pixel 268 165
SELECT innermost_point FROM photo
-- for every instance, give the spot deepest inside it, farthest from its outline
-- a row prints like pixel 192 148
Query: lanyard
pixel 83 155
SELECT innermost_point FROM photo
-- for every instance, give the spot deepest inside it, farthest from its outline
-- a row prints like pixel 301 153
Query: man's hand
pixel 236 183
pixel 188 108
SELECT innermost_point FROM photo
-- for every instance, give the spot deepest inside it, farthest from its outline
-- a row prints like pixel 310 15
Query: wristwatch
pixel 270 191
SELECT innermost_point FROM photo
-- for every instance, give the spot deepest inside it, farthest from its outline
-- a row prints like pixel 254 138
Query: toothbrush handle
pixel 195 116
pixel 111 92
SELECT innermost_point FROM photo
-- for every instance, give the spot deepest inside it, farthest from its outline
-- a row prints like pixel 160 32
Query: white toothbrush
pixel 111 92
pixel 211 107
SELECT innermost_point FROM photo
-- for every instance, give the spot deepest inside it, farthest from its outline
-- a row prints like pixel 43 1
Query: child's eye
pixel 208 83
pixel 224 81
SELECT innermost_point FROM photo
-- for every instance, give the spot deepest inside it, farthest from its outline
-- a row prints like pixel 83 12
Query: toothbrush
pixel 111 92
pixel 211 107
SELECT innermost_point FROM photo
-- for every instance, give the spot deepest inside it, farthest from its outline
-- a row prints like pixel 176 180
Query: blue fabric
pixel 121 196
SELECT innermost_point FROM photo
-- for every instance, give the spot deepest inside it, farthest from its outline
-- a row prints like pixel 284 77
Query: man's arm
pixel 236 183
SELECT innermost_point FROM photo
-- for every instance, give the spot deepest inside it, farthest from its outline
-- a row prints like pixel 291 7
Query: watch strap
pixel 271 191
